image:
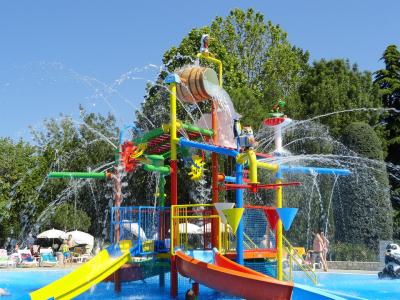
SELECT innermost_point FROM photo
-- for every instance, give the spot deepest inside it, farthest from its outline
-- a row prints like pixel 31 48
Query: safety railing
pixel 295 257
pixel 145 226
pixel 191 226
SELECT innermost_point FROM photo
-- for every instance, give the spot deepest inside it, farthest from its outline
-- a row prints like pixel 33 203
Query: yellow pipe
pixel 242 158
pixel 215 61
pixel 173 125
pixel 279 232
pixel 172 230
pixel 253 166
pixel 166 127
pixel 267 166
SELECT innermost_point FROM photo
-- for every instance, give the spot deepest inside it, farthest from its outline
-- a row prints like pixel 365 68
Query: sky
pixel 57 55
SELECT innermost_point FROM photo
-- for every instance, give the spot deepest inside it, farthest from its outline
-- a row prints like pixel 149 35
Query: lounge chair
pixel 47 258
pixel 6 261
pixel 26 259
pixel 79 255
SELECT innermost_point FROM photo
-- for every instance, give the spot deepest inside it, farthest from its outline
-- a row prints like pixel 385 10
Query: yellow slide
pixel 81 279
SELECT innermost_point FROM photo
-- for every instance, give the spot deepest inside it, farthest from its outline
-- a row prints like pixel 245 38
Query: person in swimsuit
pixel 318 248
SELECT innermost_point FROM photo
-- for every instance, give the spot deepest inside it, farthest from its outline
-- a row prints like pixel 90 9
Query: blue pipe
pixel 230 179
pixel 220 150
pixel 239 204
pixel 311 170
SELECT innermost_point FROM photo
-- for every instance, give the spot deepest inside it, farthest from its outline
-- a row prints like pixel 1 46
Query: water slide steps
pixel 231 278
pixel 83 278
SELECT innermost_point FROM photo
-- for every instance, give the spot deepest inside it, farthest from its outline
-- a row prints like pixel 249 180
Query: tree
pixel 76 145
pixel 334 85
pixel 20 176
pixel 67 218
pixel 363 213
pixel 388 80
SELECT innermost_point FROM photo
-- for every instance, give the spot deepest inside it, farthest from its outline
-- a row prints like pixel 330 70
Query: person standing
pixel 326 247
pixel 318 248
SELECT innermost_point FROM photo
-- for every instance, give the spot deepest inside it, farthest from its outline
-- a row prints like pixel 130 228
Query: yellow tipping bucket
pixel 197 84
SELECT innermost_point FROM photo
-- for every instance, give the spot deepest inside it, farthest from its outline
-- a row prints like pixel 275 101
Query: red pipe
pixel 195 288
pixel 174 277
pixel 117 281
pixel 174 201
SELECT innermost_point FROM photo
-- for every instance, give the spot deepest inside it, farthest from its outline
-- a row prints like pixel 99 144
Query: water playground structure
pixel 232 248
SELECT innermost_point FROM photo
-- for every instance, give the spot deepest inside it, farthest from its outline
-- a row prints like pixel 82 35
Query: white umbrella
pixel 134 228
pixel 80 237
pixel 208 228
pixel 52 234
pixel 190 228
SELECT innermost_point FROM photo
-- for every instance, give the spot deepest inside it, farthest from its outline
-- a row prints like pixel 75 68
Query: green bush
pixel 351 252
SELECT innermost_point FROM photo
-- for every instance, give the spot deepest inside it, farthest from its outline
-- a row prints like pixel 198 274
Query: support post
pixel 214 167
pixel 161 278
pixel 117 201
pixel 117 281
pixel 195 288
pixel 172 80
pixel 279 204
pixel 239 204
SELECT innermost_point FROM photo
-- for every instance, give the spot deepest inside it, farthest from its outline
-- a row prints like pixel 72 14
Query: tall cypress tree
pixel 388 80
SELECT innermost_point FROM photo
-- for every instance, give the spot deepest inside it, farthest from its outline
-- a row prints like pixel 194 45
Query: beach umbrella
pixel 208 228
pixel 134 229
pixel 81 238
pixel 53 234
pixel 189 228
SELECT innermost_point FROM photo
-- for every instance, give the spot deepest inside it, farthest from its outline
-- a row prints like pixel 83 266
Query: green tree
pixel 76 145
pixel 67 217
pixel 363 213
pixel 20 176
pixel 388 80
pixel 334 85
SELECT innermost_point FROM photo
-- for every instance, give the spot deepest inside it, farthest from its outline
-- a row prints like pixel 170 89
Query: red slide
pixel 231 278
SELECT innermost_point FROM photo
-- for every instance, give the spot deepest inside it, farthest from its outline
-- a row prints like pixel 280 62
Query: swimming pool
pixel 20 283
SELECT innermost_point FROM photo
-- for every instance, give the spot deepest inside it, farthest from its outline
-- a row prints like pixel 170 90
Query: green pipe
pixel 192 128
pixel 162 169
pixel 155 159
pixel 148 136
pixel 94 175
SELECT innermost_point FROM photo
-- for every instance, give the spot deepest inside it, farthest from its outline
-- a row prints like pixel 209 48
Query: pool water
pixel 20 283
pixel 366 286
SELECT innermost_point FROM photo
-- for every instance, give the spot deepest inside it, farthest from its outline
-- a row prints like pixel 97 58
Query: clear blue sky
pixel 56 54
